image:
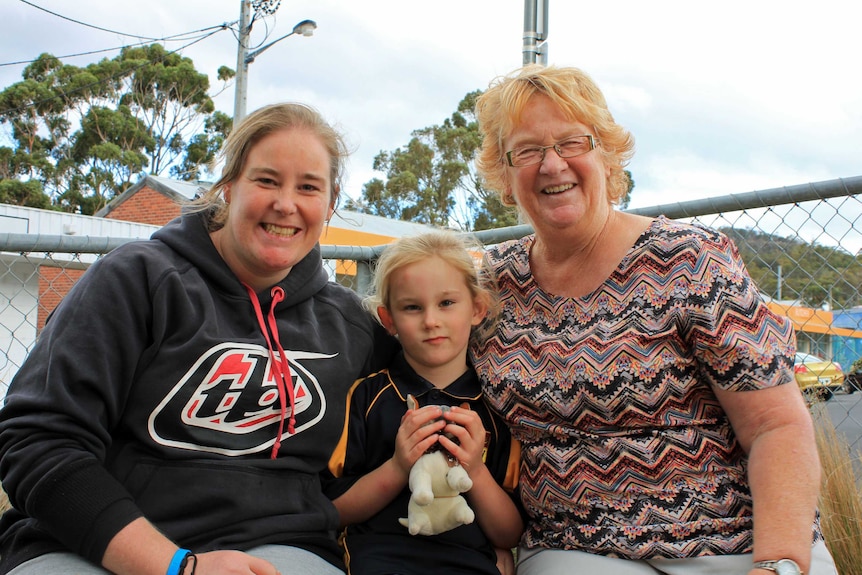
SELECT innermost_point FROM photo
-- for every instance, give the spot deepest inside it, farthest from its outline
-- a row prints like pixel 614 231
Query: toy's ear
pixel 411 402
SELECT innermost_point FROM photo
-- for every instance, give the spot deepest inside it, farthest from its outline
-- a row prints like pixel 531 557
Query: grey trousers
pixel 288 560
pixel 562 562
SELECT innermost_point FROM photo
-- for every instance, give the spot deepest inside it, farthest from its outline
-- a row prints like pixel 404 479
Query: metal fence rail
pixel 802 244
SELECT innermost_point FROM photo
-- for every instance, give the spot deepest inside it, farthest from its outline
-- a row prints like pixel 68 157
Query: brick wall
pixel 54 284
pixel 146 206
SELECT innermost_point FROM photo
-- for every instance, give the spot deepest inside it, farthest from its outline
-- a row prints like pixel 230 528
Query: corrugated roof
pixel 21 220
pixel 188 190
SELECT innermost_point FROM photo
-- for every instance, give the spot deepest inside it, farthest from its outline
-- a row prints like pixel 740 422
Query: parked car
pixel 818 378
pixel 853 379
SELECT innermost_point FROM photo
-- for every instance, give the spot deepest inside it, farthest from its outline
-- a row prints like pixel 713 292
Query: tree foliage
pixel 431 179
pixel 84 133
pixel 20 193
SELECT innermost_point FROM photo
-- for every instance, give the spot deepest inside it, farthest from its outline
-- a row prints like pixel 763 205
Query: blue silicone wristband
pixel 176 561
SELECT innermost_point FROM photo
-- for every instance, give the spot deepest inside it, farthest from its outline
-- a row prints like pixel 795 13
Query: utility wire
pixel 115 76
pixel 176 38
pixel 144 40
pixel 85 24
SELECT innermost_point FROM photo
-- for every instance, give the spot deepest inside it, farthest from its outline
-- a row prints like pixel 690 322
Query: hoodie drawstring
pixel 280 366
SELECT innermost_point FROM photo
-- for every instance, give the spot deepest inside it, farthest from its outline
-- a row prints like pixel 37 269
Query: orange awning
pixel 811 320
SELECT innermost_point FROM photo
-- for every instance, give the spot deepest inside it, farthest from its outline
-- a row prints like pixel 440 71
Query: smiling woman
pixel 277 206
pixel 649 384
pixel 221 383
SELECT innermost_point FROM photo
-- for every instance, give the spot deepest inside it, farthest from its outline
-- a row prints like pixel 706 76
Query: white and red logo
pixel 228 402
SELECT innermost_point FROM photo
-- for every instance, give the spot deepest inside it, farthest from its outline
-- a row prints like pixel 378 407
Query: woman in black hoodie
pixel 177 408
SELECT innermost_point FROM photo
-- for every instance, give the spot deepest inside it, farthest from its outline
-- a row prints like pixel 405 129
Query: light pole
pixel 535 32
pixel 244 57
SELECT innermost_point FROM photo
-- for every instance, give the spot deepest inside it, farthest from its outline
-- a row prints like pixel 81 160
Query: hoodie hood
pixel 188 236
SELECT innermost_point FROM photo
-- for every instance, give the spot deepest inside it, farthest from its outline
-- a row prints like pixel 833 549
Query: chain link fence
pixel 802 245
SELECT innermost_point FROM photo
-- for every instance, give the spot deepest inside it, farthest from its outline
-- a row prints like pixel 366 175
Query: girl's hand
pixel 418 432
pixel 466 426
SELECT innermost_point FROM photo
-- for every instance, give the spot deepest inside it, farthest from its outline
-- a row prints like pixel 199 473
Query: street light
pixel 244 58
pixel 304 28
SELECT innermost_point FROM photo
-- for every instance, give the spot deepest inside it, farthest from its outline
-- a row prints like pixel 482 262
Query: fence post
pixel 363 277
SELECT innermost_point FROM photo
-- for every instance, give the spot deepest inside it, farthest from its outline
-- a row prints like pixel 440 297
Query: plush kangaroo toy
pixel 435 486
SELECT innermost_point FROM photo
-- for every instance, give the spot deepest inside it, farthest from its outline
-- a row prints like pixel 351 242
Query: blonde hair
pixel 499 108
pixel 256 126
pixel 451 247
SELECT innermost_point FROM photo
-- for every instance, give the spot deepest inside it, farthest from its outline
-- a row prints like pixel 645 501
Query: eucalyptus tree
pixel 86 133
pixel 432 179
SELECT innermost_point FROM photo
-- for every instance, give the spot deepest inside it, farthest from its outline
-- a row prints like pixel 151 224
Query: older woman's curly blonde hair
pixel 499 109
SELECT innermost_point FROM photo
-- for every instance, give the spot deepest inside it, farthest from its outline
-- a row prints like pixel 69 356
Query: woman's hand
pixel 505 561
pixel 231 563
pixel 140 548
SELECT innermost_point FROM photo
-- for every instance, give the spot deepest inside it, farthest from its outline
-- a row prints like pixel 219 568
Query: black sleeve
pixel 65 401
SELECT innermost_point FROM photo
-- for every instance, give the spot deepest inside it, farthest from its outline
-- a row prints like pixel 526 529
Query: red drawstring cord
pixel 278 297
pixel 280 367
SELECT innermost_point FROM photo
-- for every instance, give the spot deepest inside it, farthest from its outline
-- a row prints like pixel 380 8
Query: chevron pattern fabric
pixel 626 451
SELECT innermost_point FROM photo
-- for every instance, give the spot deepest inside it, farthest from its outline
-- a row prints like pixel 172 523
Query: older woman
pixel 651 389
pixel 178 406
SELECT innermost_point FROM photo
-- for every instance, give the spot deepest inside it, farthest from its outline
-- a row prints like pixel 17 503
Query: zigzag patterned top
pixel 626 451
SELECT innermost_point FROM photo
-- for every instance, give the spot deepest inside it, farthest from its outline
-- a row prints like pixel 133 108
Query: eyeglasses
pixel 568 148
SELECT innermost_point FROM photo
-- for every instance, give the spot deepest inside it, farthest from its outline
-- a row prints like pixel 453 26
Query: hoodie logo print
pixel 228 402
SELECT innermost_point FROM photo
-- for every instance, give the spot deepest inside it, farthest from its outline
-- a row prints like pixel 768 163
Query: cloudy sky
pixel 722 97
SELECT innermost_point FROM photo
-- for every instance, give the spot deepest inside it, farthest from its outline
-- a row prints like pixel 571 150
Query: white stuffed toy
pixel 436 484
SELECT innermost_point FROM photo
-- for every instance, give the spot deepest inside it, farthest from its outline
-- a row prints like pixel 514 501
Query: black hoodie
pixel 150 393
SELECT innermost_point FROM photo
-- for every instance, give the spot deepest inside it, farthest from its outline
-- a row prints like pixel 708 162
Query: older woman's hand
pixel 505 561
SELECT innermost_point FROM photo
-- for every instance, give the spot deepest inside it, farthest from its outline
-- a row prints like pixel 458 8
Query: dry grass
pixel 4 501
pixel 840 498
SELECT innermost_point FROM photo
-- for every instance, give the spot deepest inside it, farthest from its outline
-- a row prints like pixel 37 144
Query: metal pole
pixel 542 32
pixel 241 83
pixel 530 33
pixel 535 31
pixel 779 279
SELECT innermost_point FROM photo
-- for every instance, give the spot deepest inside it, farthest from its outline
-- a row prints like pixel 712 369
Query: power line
pixel 262 7
pixel 85 24
pixel 175 38
pixel 113 77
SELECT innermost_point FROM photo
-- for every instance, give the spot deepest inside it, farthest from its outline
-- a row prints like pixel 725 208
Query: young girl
pixel 427 294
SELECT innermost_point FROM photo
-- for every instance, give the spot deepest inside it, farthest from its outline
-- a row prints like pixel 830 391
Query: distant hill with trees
pixel 812 273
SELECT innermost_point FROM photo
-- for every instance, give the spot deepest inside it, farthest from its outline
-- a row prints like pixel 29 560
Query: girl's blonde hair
pixel 499 108
pixel 451 247
pixel 256 126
